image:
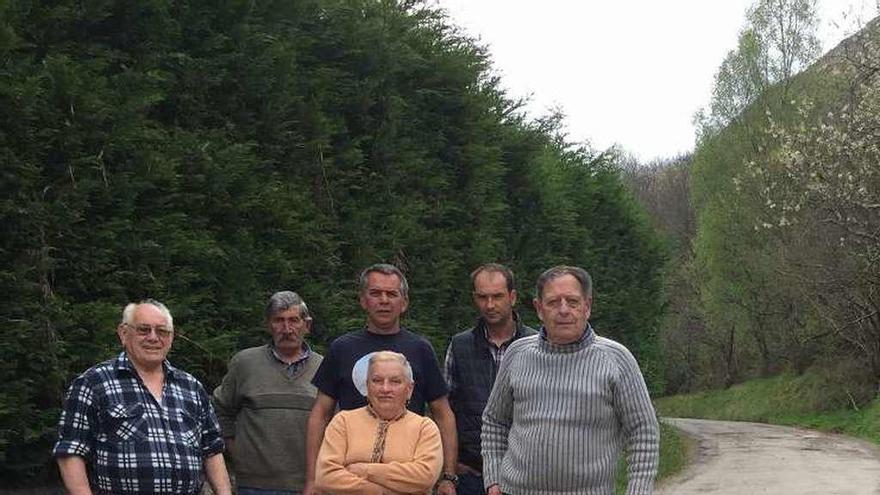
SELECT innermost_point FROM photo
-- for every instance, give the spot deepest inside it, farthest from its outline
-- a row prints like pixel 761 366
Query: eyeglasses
pixel 144 330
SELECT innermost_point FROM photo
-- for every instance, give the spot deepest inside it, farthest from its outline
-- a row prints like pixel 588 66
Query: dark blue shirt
pixel 345 364
pixel 132 442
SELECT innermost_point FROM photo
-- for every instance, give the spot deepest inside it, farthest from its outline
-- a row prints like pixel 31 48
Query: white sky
pixel 630 72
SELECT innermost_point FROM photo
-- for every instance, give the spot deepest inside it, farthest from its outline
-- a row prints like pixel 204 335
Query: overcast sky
pixel 630 72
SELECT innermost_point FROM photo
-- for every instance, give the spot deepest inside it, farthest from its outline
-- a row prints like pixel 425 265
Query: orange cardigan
pixel 411 463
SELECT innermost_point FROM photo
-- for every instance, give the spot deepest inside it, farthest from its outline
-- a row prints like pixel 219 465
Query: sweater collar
pixel 585 341
pixel 373 413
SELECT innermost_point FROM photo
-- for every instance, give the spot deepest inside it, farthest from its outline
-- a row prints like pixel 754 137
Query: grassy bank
pixel 673 457
pixel 804 400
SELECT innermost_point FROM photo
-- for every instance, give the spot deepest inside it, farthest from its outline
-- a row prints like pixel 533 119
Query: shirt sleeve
pixel 641 429
pixel 418 475
pixel 226 399
pixel 331 474
pixel 435 384
pixel 449 369
pixel 497 420
pixel 78 420
pixel 212 443
pixel 326 378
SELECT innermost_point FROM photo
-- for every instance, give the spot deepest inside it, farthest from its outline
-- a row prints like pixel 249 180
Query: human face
pixel 388 388
pixel 288 329
pixel 146 351
pixel 493 299
pixel 564 309
pixel 383 301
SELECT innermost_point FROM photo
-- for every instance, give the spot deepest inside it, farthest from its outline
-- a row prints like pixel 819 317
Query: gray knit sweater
pixel 266 410
pixel 560 415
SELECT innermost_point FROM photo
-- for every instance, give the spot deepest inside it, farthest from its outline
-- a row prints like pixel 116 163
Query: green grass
pixel 674 449
pixel 673 457
pixel 804 400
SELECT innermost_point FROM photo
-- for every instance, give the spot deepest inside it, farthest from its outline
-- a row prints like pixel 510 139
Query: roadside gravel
pixel 738 458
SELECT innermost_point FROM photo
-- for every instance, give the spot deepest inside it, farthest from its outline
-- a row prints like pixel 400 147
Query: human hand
pixel 446 487
pixel 494 490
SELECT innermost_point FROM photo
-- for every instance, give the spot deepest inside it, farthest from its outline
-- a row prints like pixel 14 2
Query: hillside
pixel 781 271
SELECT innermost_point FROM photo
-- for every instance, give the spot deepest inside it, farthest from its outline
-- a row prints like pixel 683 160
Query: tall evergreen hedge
pixel 209 153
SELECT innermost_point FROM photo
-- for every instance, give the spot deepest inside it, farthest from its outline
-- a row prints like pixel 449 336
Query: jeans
pixel 244 490
pixel 470 484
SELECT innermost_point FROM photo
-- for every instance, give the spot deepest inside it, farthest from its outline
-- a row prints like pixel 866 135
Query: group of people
pixel 513 410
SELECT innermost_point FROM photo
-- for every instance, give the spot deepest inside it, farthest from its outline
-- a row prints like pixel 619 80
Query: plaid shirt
pixel 497 350
pixel 131 442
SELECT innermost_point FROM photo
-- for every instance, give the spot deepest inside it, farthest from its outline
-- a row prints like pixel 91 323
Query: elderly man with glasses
pixel 139 424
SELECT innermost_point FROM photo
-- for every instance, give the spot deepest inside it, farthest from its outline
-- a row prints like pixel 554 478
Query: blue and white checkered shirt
pixel 133 443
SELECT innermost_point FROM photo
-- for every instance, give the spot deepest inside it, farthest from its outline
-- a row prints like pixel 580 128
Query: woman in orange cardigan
pixel 382 448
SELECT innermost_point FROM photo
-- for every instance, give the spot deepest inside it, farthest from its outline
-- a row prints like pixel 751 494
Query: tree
pixel 738 266
pixel 821 200
pixel 779 41
pixel 208 154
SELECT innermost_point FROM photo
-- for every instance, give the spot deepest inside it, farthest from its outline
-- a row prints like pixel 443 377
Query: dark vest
pixel 473 376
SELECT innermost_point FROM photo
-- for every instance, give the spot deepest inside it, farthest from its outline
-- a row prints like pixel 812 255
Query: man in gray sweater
pixel 566 403
pixel 264 401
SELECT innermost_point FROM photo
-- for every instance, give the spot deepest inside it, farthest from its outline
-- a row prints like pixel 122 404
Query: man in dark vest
pixel 472 361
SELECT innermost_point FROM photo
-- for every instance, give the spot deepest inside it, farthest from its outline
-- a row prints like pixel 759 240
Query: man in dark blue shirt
pixel 140 424
pixel 341 379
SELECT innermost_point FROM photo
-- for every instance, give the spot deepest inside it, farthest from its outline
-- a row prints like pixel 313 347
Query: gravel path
pixel 736 458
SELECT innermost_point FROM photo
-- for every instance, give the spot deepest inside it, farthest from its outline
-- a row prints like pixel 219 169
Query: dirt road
pixel 736 458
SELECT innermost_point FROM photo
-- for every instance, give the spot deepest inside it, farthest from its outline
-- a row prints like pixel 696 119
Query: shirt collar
pixel 307 352
pixel 517 324
pixel 123 362
pixel 489 340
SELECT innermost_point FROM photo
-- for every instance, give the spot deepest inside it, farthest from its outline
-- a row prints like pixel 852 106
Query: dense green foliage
pixel 778 274
pixel 775 259
pixel 737 289
pixel 786 243
pixel 209 153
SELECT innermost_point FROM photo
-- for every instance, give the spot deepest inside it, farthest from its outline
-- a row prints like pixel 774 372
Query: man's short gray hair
pixel 394 357
pixel 385 269
pixel 561 270
pixel 284 300
pixel 128 312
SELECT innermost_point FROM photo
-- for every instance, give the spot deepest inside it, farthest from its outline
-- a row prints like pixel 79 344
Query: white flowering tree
pixel 753 321
pixel 820 199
